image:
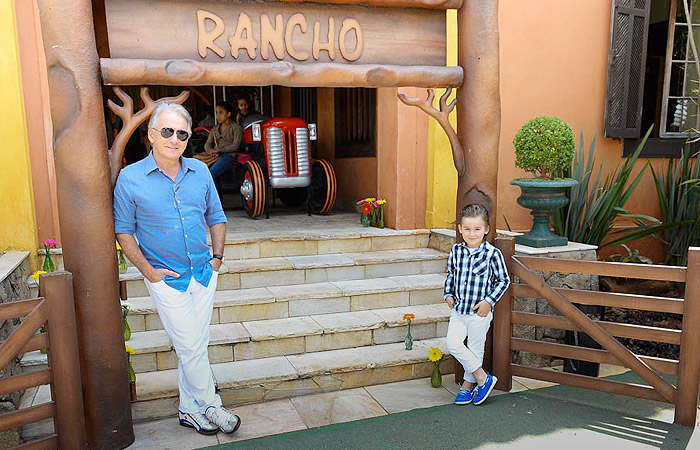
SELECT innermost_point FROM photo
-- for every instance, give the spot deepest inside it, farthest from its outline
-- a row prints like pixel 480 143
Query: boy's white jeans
pixel 186 317
pixel 470 356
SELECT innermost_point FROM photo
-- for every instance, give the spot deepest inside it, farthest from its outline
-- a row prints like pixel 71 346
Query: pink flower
pixel 50 243
pixel 375 204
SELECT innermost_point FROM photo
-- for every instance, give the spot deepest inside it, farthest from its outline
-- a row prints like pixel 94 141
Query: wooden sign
pixel 247 31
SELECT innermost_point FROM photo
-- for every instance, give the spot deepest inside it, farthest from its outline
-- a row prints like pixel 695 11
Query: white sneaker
pixel 227 421
pixel 197 421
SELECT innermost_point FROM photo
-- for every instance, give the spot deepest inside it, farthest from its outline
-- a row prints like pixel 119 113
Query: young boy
pixel 477 277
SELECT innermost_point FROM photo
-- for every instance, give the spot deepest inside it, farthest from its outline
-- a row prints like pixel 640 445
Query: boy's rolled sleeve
pixel 502 279
pixel 214 212
pixel 124 208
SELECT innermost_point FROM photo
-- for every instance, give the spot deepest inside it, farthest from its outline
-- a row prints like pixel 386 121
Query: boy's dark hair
pixel 475 210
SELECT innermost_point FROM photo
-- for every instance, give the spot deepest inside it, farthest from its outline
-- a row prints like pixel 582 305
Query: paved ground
pixel 527 418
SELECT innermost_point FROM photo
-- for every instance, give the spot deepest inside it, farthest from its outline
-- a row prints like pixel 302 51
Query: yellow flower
pixel 36 274
pixel 409 316
pixel 129 350
pixel 381 202
pixel 119 247
pixel 370 200
pixel 434 354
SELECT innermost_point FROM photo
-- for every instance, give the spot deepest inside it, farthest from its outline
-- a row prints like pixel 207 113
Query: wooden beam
pixel 25 381
pixel 689 366
pixel 17 309
pixel 47 443
pixel 183 72
pixel 429 4
pixel 623 330
pixel 27 415
pixel 582 381
pixel 601 268
pixel 668 366
pixel 616 300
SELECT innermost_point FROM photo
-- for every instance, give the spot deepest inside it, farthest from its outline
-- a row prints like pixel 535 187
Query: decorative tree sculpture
pixel 132 121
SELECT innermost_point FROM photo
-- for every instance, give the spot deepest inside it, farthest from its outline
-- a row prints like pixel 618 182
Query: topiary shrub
pixel 545 146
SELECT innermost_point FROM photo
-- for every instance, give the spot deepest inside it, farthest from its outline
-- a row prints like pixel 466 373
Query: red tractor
pixel 281 161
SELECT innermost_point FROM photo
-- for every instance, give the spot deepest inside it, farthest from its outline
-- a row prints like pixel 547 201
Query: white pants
pixel 471 356
pixel 186 317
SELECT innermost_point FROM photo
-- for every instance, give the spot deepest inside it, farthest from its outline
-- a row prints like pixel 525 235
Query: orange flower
pixel 409 316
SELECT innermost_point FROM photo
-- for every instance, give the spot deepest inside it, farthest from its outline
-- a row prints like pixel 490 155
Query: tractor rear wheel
pixel 324 187
pixel 253 189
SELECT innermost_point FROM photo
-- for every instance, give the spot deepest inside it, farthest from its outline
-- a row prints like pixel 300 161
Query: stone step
pixel 277 302
pixel 265 379
pixel 291 270
pixel 290 336
pixel 268 244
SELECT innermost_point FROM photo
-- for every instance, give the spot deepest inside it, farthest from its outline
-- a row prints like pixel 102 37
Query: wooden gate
pixel 56 312
pixel 684 395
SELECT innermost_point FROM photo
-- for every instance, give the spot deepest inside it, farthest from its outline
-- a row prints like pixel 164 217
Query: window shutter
pixel 626 67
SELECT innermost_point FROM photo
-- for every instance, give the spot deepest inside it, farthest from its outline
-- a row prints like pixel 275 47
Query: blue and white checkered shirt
pixel 474 275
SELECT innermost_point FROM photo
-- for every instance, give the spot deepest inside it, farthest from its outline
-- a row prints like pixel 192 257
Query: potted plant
pixel 544 146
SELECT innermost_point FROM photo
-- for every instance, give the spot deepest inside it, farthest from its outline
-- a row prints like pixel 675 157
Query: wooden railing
pixel 684 395
pixel 56 311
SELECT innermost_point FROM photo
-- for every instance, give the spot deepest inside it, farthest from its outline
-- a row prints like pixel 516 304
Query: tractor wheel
pixel 323 187
pixel 292 197
pixel 253 189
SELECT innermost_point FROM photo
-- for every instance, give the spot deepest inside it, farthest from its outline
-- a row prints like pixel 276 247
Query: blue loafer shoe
pixel 464 396
pixel 483 391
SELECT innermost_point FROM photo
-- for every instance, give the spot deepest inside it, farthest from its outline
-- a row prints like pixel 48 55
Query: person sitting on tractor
pixel 224 140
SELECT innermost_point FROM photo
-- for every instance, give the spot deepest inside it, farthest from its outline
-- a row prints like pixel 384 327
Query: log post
pixel 502 325
pixel 689 361
pixel 85 212
pixel 66 391
pixel 479 105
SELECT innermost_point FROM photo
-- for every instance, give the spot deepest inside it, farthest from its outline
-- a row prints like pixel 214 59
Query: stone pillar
pixel 541 306
pixel 85 212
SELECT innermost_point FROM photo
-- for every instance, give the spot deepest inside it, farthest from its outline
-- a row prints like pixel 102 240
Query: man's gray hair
pixel 166 106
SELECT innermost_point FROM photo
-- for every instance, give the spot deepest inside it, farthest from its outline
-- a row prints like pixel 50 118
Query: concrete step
pixel 289 336
pixel 256 380
pixel 295 270
pixel 277 302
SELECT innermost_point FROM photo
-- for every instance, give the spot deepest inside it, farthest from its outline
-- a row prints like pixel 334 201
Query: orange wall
pixel 554 57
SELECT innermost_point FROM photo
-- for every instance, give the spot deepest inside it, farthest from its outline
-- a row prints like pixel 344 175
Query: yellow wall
pixel 442 176
pixel 17 217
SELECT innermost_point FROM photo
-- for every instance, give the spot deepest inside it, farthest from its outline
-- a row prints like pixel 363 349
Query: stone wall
pixel 14 270
pixel 542 306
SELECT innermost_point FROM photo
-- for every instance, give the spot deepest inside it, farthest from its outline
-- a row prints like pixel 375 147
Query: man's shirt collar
pixel 150 164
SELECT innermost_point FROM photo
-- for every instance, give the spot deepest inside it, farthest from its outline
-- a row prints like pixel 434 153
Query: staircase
pixel 304 312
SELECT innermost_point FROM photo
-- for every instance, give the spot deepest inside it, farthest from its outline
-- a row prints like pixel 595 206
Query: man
pixel 167 202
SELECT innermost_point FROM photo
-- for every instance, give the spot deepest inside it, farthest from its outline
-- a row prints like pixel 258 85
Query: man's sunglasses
pixel 167 132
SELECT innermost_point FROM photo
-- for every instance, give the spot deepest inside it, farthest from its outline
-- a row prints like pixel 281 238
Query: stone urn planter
pixel 542 197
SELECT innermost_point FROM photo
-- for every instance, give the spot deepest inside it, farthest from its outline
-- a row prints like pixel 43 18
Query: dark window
pixel 664 94
pixel 305 106
pixel 355 122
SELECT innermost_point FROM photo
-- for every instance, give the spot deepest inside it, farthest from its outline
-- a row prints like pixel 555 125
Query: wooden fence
pixel 56 312
pixel 684 395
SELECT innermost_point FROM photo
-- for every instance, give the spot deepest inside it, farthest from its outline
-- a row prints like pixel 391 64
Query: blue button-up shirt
pixel 169 218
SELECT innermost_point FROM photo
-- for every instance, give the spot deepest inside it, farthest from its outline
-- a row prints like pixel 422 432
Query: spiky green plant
pixel 593 208
pixel 679 197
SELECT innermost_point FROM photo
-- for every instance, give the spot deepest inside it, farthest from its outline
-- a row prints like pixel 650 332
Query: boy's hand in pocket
pixel 482 308
pixel 450 302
